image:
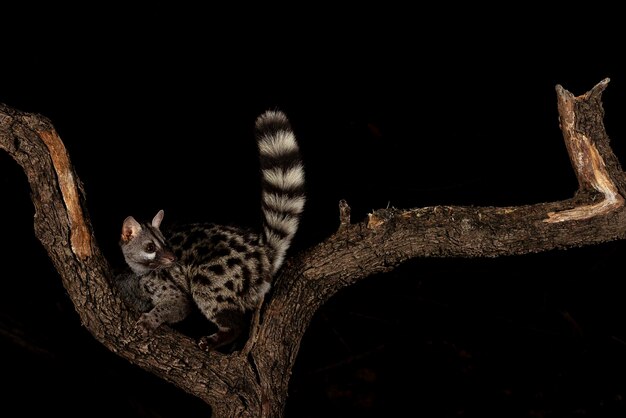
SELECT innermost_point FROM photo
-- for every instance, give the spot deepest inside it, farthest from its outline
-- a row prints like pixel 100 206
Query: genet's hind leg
pixel 229 324
pixel 221 289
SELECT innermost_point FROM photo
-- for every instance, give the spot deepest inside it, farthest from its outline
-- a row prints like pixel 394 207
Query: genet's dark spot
pixel 217 238
pixel 216 269
pixel 237 246
pixel 240 248
pixel 202 251
pixel 201 279
pixel 227 299
pixel 233 261
pixel 221 252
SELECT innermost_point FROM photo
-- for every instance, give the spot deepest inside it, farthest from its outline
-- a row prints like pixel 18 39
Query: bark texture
pixel 254 382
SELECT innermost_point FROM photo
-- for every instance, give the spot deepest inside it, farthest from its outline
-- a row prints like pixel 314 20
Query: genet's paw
pixel 208 343
pixel 220 340
pixel 145 325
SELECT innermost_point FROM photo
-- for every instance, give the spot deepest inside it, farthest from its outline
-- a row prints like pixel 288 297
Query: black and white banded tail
pixel 283 183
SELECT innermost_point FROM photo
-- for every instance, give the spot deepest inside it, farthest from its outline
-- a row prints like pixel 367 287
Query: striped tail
pixel 282 183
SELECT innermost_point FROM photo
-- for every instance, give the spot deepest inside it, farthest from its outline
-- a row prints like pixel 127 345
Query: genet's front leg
pixel 170 303
pixel 168 311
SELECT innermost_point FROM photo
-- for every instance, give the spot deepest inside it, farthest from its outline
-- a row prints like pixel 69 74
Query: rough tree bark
pixel 254 382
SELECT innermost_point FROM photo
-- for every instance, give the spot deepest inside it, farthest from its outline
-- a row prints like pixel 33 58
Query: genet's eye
pixel 150 247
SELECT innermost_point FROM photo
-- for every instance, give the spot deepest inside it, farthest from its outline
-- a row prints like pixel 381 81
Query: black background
pixel 403 108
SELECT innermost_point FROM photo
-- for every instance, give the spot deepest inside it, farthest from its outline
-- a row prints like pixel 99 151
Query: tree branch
pixel 254 382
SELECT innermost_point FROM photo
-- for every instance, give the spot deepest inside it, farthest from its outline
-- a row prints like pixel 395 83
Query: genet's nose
pixel 167 256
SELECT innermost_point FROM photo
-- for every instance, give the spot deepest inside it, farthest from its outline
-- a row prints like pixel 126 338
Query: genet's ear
pixel 158 218
pixel 130 229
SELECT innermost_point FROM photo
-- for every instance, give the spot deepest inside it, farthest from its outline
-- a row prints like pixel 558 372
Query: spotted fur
pixel 224 270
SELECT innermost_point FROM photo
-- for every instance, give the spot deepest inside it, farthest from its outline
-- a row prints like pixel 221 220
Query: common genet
pixel 224 270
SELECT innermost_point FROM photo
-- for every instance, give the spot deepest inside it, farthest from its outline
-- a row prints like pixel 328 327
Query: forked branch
pixel 255 381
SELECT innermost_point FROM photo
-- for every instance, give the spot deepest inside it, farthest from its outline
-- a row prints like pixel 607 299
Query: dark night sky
pixel 388 111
